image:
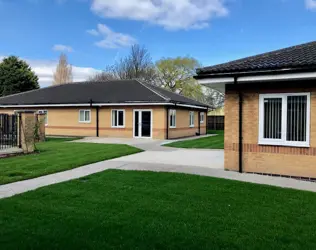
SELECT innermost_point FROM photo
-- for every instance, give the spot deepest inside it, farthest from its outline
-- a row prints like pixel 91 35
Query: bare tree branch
pixel 63 73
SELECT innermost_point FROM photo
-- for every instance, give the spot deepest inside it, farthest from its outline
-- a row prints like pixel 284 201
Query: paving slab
pixel 188 157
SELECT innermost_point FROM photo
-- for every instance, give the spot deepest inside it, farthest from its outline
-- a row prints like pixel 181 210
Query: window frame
pixel 85 110
pixel 191 124
pixel 117 118
pixel 170 118
pixel 202 114
pixel 283 141
pixel 46 115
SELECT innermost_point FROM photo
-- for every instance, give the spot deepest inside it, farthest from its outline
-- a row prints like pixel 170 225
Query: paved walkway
pixel 144 144
pixel 27 185
pixel 156 153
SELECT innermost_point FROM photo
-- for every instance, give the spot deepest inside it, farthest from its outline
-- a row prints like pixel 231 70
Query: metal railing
pixel 9 131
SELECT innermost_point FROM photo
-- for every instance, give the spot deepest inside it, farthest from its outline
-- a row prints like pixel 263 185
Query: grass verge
pixel 212 142
pixel 58 154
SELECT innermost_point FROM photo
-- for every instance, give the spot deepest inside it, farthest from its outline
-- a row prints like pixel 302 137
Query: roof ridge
pixel 159 94
pixel 181 95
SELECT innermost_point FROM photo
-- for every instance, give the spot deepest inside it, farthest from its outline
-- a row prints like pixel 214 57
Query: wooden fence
pixel 215 122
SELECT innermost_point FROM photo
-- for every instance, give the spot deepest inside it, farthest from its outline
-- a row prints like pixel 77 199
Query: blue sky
pixel 94 33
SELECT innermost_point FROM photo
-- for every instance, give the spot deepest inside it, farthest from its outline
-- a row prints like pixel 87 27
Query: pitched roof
pixel 296 57
pixel 117 91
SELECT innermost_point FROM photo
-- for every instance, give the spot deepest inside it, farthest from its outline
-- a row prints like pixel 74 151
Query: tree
pixel 176 74
pixel 63 72
pixel 102 77
pixel 16 76
pixel 136 65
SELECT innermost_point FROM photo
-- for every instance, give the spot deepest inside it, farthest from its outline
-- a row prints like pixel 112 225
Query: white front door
pixel 142 123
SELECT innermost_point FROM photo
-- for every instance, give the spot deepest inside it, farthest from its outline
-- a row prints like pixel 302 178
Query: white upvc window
pixel 85 116
pixel 118 118
pixel 284 119
pixel 202 115
pixel 46 116
pixel 172 118
pixel 191 115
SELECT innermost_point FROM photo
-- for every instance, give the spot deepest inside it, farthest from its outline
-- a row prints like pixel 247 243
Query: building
pixel 123 108
pixel 270 111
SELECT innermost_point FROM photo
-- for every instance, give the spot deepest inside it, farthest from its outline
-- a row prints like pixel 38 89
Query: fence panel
pixel 215 122
pixel 8 131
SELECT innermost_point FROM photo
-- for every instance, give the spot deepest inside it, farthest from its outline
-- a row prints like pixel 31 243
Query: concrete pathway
pixel 32 184
pixel 156 153
pixel 144 144
pixel 188 157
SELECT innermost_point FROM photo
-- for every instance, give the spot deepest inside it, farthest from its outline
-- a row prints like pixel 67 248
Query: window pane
pixel 296 118
pixel 87 116
pixel 272 118
pixel 120 118
pixel 191 118
pixel 202 117
pixel 172 118
pixel 81 116
pixel 114 118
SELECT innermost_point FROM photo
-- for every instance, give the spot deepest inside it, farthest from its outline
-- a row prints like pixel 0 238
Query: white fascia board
pixel 86 105
pixel 278 77
pixel 191 106
pixel 208 81
pixel 100 105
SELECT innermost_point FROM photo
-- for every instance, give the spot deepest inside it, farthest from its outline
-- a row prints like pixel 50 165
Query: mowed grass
pixel 145 210
pixel 58 154
pixel 212 142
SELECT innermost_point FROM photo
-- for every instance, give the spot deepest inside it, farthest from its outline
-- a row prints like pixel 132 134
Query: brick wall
pixel 182 128
pixel 65 121
pixel 291 161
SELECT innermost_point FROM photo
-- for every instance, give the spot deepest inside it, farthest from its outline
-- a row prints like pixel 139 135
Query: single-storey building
pixel 270 111
pixel 122 108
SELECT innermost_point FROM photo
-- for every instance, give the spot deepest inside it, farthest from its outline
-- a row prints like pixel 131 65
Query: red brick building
pixel 270 111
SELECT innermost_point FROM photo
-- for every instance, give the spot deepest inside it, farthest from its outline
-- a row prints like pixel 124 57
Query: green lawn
pixel 213 142
pixel 57 155
pixel 144 210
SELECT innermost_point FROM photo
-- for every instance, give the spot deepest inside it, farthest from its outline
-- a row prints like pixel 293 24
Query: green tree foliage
pixel 16 76
pixel 176 74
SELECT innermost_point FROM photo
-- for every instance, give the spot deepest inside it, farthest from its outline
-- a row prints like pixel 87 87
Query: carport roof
pixel 116 91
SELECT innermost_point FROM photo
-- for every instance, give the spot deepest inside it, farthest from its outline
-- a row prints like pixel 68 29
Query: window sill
pixel 117 126
pixel 172 127
pixel 85 122
pixel 284 144
pixel 192 126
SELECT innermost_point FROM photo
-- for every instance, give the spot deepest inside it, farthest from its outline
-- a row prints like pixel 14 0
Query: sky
pixel 96 33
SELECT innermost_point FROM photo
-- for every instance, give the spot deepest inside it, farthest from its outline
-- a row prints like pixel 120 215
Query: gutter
pixel 103 104
pixel 202 75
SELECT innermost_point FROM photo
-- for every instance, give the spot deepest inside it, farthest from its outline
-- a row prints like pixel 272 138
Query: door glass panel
pixel 146 124
pixel 120 118
pixel 136 123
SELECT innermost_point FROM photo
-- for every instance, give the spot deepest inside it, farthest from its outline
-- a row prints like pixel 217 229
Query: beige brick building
pixel 112 109
pixel 270 111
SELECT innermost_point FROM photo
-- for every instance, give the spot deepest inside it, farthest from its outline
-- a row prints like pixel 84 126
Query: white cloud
pixel 111 39
pixel 62 48
pixel 93 32
pixel 171 14
pixel 45 69
pixel 310 4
